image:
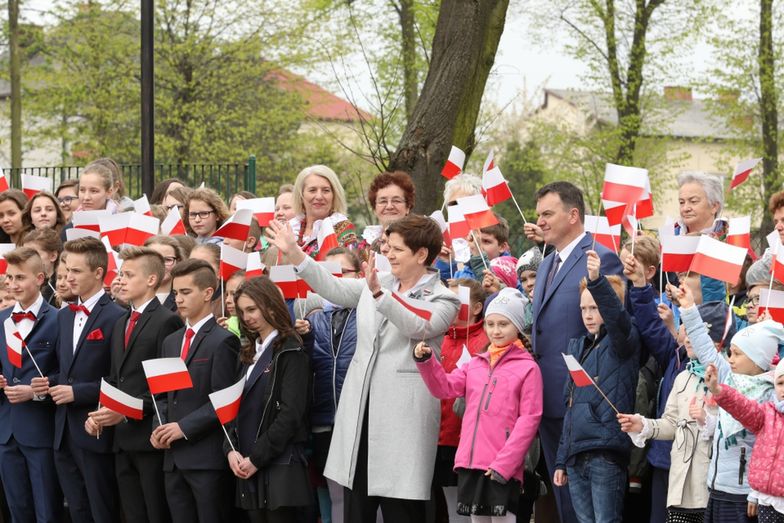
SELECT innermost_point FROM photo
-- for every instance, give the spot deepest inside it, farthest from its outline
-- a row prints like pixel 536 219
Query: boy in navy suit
pixel 138 335
pixel 27 420
pixel 198 481
pixel 85 464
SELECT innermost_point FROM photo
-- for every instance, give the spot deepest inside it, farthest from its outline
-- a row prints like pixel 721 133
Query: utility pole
pixel 148 97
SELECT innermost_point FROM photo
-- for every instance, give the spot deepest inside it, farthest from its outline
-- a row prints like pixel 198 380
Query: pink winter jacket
pixel 766 470
pixel 503 408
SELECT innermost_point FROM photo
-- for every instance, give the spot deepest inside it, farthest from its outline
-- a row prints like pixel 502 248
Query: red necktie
pixel 76 308
pixel 19 316
pixel 131 324
pixel 187 346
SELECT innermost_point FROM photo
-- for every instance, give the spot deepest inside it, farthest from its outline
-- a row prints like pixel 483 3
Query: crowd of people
pixel 404 386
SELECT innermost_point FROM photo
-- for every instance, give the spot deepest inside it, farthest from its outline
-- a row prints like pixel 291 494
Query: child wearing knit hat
pixel 766 420
pixel 503 394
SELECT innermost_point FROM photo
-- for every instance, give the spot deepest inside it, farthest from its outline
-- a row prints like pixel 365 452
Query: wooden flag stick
pixel 604 396
pixel 33 360
pixel 157 412
pixel 222 298
pixel 518 208
pixel 479 248
pixel 661 282
pixel 239 461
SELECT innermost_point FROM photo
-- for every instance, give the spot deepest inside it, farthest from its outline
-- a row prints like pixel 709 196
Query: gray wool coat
pixel 403 417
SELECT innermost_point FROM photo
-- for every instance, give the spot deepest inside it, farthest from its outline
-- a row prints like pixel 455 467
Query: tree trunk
pixel 768 110
pixel 408 48
pixel 16 84
pixel 464 48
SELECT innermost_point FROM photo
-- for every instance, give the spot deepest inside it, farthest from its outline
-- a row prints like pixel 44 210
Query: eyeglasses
pixel 395 202
pixel 754 300
pixel 66 200
pixel 203 215
pixel 169 260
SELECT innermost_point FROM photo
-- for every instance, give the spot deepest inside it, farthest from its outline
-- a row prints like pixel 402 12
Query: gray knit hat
pixel 529 261
pixel 509 303
pixel 759 271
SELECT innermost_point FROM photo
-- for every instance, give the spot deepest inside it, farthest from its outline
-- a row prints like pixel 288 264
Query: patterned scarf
pixel 757 388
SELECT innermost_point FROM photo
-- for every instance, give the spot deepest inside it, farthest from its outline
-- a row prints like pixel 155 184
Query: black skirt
pixel 478 495
pixel 443 473
pixel 275 486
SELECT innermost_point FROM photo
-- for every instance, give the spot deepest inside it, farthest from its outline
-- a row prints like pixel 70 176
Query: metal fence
pixel 226 178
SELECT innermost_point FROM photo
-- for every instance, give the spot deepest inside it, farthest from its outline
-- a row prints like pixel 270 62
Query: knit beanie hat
pixel 714 314
pixel 760 342
pixel 759 271
pixel 529 261
pixel 504 269
pixel 509 303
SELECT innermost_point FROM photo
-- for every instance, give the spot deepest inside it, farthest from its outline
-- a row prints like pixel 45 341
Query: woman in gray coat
pixel 386 427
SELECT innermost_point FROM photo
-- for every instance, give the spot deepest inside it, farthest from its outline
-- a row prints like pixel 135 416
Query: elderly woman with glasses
pixel 204 213
pixel 392 196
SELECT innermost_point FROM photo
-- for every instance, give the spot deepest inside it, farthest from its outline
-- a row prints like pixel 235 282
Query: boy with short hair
pixel 494 241
pixel 27 420
pixel 197 478
pixel 137 336
pixel 84 464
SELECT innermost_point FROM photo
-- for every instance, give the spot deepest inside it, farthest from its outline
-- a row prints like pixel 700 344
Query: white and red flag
pixel 495 186
pixel 677 252
pixel 438 217
pixel 624 184
pixel 231 261
pixel 226 402
pixel 74 234
pixel 89 220
pixel 718 260
pixel 113 265
pixel 3 182
pixel 604 233
pixel 580 377
pixel 458 226
pixel 263 209
pixel 120 402
pixel 454 164
pixel 464 312
pixel 421 308
pixel 778 265
pixel 254 268
pixel 32 185
pixel 742 171
pixel 5 248
pixel 774 241
pixel 173 224
pixel 489 162
pixel 237 227
pixel 326 238
pixel 142 206
pixel 476 211
pixel 285 277
pixel 166 375
pixel 739 234
pixel 128 228
pixel 773 302
pixel 14 343
pixel 465 357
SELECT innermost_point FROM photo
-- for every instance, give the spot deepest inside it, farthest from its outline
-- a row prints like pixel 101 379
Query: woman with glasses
pixel 392 197
pixel 172 253
pixel 204 213
pixel 67 195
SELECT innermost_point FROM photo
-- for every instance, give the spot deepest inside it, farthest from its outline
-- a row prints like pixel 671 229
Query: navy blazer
pixel 557 317
pixel 213 363
pixel 30 423
pixel 83 370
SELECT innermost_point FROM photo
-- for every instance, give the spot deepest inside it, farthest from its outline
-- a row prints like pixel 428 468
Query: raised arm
pixel 617 321
pixel 698 334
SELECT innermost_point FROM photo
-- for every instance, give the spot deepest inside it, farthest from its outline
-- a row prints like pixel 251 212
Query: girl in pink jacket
pixel 503 393
pixel 766 420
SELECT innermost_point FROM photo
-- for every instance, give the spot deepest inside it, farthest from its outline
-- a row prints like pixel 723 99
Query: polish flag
pixel 774 241
pixel 677 252
pixel 4 248
pixel 438 217
pixel 237 227
pixel 226 402
pixel 74 234
pixel 476 211
pixel 617 211
pixel 464 293
pixel 465 357
pixel 128 228
pixel 113 266
pixel 630 223
pixel 603 232
pixel 172 225
pixel 773 302
pixel 166 375
pixel 142 206
pixel 421 308
pixel 89 220
pixel 3 182
pixel 739 234
pixel 14 343
pixel 120 402
pixel 231 261
pixel 718 260
pixel 32 185
pixel 285 277
pixel 489 162
pixel 495 186
pixel 254 268
pixel 458 226
pixel 263 209
pixel 778 265
pixel 742 171
pixel 327 239
pixel 454 164
pixel 580 377
pixel 624 184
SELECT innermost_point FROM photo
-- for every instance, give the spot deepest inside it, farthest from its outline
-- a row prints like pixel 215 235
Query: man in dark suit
pixel 198 482
pixel 138 335
pixel 27 420
pixel 85 464
pixel 556 309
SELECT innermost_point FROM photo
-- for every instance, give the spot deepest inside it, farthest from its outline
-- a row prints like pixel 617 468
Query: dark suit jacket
pixel 127 374
pixel 213 363
pixel 30 423
pixel 169 302
pixel 83 370
pixel 557 317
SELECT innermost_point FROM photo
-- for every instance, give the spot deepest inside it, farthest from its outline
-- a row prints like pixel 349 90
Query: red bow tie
pixel 19 316
pixel 76 308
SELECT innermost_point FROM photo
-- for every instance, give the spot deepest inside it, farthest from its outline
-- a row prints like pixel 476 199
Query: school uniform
pixel 84 463
pixel 27 429
pixel 197 477
pixel 137 336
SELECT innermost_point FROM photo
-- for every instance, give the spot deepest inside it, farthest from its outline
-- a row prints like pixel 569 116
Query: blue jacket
pixel 659 343
pixel 330 364
pixel 612 359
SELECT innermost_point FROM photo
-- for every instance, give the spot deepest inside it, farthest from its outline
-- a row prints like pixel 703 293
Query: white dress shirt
pixel 564 253
pixel 198 325
pixel 25 326
pixel 80 318
pixel 261 346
